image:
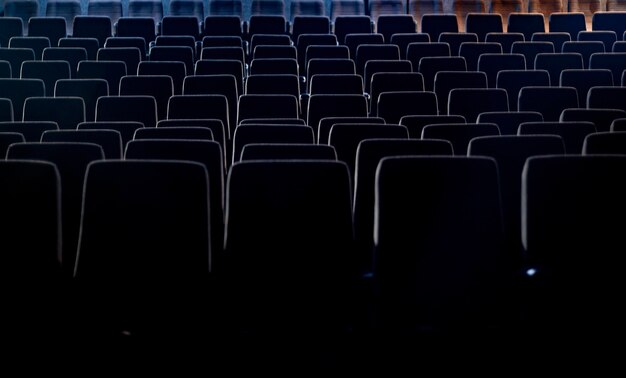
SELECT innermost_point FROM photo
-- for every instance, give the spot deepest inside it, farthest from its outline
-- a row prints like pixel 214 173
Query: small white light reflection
pixel 531 272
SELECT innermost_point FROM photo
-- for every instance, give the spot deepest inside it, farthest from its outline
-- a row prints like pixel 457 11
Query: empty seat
pixel 160 207
pixel 321 106
pixel 469 103
pixel 492 64
pixel 568 22
pixel 612 20
pixel 335 84
pixel 354 40
pixel 246 134
pixel 99 27
pixel 18 90
pixel 223 25
pixel 15 57
pixel 365 53
pixel 606 97
pixel 572 133
pixel 131 56
pixel 137 42
pixel 377 8
pixel 456 39
pixel 510 153
pixel 445 81
pixel 555 63
pixel 514 80
pixel 6 110
pixel 326 124
pixel 601 118
pixel 66 112
pixel 379 66
pixel 111 71
pixel 174 133
pixel 10 27
pixel 71 160
pixel 610 143
pixel 583 80
pixel 483 23
pixel 570 208
pixel 394 105
pixel 413 255
pixel 393 82
pixel 505 40
pixel 160 87
pixel 215 125
pixel 31 226
pixel 220 67
pixel 618 125
pixel 417 50
pixel 72 55
pixel 316 216
pixel 345 138
pixel 607 37
pixel 436 24
pixel 138 24
pixel 24 9
pixel 459 134
pixel 584 48
pixel 274 67
pixel 549 101
pixel 8 138
pixel 287 151
pixel 53 28
pixel 47 71
pixel 557 39
pixel 66 9
pixel 127 108
pixel 126 129
pixel 37 44
pixel 109 140
pixel 368 155
pixel 531 49
pixel 225 85
pixel 616 62
pixel 108 8
pixel 267 106
pixel 430 66
pixel 181 25
pixel 91 45
pixel 416 123
pixel 472 51
pixel 200 107
pixel 183 54
pixel 389 24
pixel 526 23
pixel 31 131
pixel 175 70
pixel 267 24
pixel 351 24
pixel 207 153
pixel 402 40
pixel 508 122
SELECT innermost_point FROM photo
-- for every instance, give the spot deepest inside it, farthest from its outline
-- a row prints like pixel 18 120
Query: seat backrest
pixel 437 233
pixel 109 140
pixel 71 160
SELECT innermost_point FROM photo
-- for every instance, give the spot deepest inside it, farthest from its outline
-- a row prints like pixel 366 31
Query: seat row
pixel 439 228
